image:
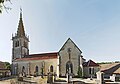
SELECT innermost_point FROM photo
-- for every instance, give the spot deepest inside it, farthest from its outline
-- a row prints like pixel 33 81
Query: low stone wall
pixel 38 80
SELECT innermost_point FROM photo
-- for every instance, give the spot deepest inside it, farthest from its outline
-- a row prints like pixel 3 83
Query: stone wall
pixel 30 66
pixel 64 57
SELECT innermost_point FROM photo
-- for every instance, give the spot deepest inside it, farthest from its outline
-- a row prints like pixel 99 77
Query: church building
pixel 67 60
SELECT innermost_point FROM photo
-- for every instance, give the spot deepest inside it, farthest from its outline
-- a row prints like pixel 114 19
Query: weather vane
pixel 20 9
pixel 20 12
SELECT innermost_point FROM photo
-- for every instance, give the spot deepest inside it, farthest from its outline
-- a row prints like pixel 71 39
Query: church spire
pixel 20 31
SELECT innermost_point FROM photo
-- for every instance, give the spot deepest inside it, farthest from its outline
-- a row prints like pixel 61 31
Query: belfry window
pixel 25 44
pixel 16 43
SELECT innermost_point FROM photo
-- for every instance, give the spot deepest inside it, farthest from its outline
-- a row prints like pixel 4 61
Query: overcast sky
pixel 94 25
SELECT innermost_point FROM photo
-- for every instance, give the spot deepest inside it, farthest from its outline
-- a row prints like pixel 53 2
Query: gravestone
pixel 50 78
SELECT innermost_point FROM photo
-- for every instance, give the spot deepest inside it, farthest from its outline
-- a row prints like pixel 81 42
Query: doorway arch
pixel 69 67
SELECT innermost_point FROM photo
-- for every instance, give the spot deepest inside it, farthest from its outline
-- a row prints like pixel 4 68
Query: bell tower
pixel 20 45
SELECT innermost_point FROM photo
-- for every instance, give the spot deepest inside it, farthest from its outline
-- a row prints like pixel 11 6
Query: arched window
pixel 36 69
pixel 23 69
pixel 16 43
pixel 51 68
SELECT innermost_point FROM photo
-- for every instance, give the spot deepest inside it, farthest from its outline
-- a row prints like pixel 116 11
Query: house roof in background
pixel 113 68
pixel 2 65
pixel 117 71
pixel 90 63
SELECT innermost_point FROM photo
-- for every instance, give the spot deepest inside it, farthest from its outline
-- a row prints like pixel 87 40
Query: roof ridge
pixel 72 42
pixel 44 53
pixel 90 63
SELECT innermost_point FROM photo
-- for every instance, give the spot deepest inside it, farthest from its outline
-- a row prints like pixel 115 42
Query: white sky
pixel 94 25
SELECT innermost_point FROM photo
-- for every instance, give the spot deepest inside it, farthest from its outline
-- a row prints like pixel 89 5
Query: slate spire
pixel 20 31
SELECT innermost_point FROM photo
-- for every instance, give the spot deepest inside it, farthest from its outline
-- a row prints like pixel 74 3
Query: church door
pixel 69 67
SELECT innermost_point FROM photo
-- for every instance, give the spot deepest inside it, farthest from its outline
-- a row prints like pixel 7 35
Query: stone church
pixel 67 60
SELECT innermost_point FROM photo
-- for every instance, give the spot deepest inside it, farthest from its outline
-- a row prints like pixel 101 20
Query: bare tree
pixel 2 5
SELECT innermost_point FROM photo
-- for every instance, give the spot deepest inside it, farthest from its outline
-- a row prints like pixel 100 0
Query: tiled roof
pixel 2 65
pixel 113 68
pixel 90 63
pixel 40 56
pixel 104 67
pixel 117 71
